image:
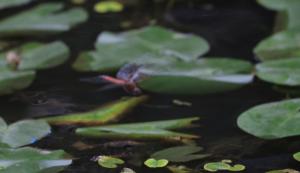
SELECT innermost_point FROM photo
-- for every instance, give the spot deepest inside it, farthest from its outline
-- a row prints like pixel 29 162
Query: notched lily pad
pixel 23 132
pixel 108 6
pixel 42 19
pixel 109 162
pixel 272 120
pixel 31 160
pixel 145 130
pixel 224 165
pixel 149 44
pixel 108 113
pixel 156 163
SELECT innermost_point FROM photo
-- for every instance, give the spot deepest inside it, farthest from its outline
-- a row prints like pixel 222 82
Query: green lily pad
pixel 109 162
pixel 296 156
pixel 108 6
pixel 23 132
pixel 272 120
pixel 31 160
pixel 127 170
pixel 206 75
pixel 180 153
pixel 146 130
pixel 180 169
pixel 153 163
pixel 11 81
pixel 12 3
pixel 36 56
pixel 42 19
pixel 108 113
pixel 149 44
pixel 281 72
pixel 282 45
pixel 224 165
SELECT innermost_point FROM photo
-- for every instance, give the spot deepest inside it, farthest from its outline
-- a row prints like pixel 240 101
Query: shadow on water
pixel 232 28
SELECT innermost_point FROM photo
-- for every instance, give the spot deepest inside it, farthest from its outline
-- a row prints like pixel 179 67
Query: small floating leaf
pixel 272 120
pixel 153 163
pixel 224 165
pixel 206 75
pixel 281 72
pixel 296 156
pixel 42 19
pixel 108 6
pixel 31 160
pixel 179 169
pixel 180 153
pixel 109 162
pixel 282 45
pixel 23 132
pixel 127 170
pixel 149 44
pixel 108 113
pixel 146 130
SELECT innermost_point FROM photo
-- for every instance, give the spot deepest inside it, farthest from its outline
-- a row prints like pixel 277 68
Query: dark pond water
pixel 232 27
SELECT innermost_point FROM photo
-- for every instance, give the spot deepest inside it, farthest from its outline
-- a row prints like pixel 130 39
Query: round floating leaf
pixel 127 170
pixel 281 72
pixel 285 44
pixel 109 162
pixel 209 75
pixel 24 132
pixel 149 44
pixel 296 156
pixel 216 166
pixel 272 120
pixel 237 167
pixel 153 163
pixel 108 6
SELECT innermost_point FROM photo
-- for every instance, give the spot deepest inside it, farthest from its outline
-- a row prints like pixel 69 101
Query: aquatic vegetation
pixel 148 44
pixel 43 19
pixel 127 170
pixel 156 163
pixel 284 171
pixel 144 130
pixel 107 113
pixel 224 165
pixel 109 161
pixel 12 3
pixel 180 169
pixel 183 153
pixel 272 120
pixel 296 156
pixel 108 6
pixel 23 132
pixel 31 160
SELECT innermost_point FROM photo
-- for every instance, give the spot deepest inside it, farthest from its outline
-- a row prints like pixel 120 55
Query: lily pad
pixel 36 56
pixel 224 165
pixel 296 156
pixel 153 163
pixel 180 153
pixel 203 76
pixel 127 170
pixel 11 81
pixel 108 113
pixel 31 160
pixel 272 120
pixel 281 72
pixel 285 44
pixel 146 130
pixel 42 19
pixel 23 132
pixel 12 3
pixel 149 44
pixel 109 162
pixel 180 169
pixel 108 6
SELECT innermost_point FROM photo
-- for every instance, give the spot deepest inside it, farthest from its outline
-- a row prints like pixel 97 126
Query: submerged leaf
pixel 109 162
pixel 108 113
pixel 153 163
pixel 180 153
pixel 23 132
pixel 282 45
pixel 206 75
pixel 12 3
pixel 149 44
pixel 281 72
pixel 30 160
pixel 272 120
pixel 42 19
pixel 147 130
pixel 108 6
